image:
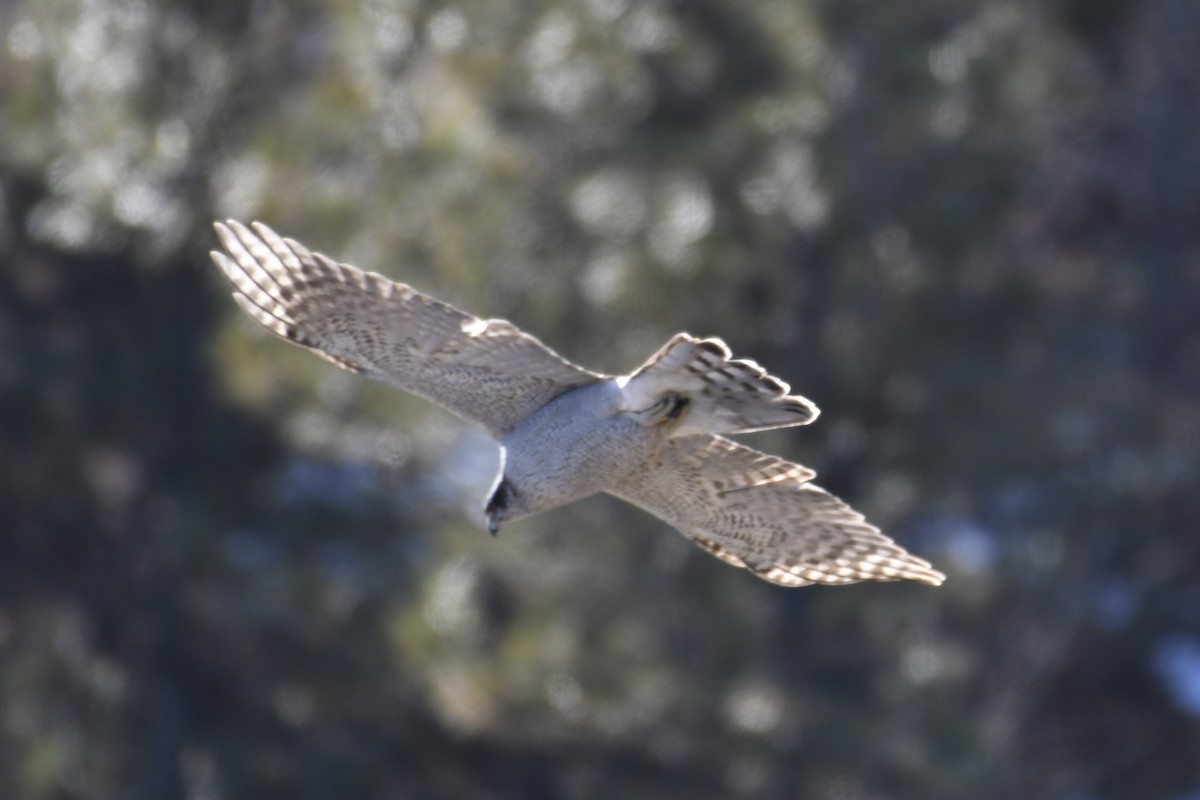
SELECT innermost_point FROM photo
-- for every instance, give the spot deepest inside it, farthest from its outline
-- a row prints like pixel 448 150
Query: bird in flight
pixel 653 438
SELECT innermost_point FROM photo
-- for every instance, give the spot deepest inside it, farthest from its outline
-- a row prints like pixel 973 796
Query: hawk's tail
pixel 722 394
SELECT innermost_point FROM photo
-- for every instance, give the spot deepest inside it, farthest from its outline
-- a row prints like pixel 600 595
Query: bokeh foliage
pixel 969 231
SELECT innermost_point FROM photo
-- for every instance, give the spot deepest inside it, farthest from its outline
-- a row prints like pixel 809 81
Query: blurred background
pixel 969 231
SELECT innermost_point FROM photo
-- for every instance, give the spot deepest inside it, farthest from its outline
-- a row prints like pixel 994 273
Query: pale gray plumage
pixel 565 432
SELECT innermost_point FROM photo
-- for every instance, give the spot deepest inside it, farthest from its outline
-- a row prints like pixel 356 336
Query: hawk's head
pixel 500 503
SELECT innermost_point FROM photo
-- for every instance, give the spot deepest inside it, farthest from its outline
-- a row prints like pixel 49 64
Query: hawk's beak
pixel 493 525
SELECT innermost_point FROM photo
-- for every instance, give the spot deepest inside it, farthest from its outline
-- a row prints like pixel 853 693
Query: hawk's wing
pixel 760 512
pixel 487 371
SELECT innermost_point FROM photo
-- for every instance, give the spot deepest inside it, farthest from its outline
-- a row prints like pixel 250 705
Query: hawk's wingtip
pixel 933 578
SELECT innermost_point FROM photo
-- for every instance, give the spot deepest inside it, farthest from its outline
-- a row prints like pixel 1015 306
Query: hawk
pixel 652 438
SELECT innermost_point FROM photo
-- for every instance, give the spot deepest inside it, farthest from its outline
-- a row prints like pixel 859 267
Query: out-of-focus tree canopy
pixel 969 231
